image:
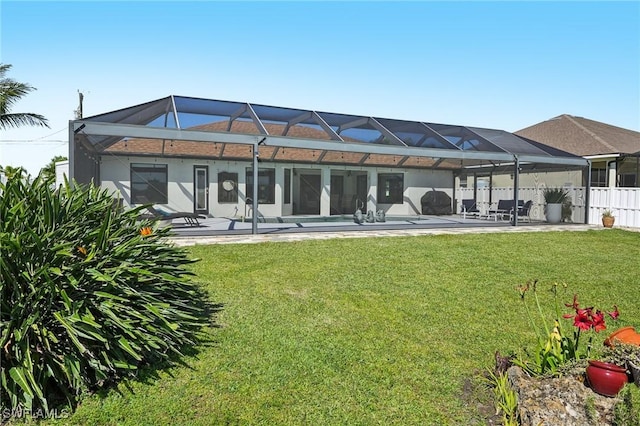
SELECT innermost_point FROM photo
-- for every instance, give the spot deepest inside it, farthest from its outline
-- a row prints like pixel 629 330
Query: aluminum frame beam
pixel 256 120
pixel 325 126
pixel 135 131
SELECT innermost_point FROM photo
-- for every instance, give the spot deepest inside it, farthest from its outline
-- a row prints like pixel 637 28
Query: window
pixel 148 183
pixel 287 186
pixel 463 181
pixel 266 185
pixel 227 187
pixel 627 180
pixel 390 188
pixel 598 177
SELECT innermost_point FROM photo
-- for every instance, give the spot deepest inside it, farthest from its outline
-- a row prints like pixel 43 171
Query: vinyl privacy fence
pixel 623 202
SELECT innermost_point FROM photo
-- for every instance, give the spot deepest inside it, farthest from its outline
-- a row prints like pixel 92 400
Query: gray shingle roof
pixel 581 136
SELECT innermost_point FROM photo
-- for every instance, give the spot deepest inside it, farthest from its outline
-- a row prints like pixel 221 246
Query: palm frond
pixel 11 92
pixel 22 119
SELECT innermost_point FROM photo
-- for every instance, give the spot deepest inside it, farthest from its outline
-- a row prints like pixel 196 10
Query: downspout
pixel 516 178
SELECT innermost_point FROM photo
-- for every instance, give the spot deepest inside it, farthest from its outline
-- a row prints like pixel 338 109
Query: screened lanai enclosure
pixel 231 159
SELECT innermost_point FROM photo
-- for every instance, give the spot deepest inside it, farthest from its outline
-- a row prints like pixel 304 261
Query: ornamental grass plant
pixel 88 294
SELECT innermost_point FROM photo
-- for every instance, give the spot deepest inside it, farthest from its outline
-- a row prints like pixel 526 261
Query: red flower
pixel 615 314
pixel 598 321
pixel 582 319
pixel 574 305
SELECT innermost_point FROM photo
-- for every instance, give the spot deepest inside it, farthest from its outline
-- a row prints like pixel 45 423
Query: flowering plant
pixel 555 347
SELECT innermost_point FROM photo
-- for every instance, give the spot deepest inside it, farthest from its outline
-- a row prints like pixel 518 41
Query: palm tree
pixel 10 92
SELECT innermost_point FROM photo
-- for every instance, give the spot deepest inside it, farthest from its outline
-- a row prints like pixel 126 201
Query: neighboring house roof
pixel 581 136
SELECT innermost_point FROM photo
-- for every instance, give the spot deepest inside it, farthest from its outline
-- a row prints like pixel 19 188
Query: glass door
pixel 337 194
pixel 201 189
pixel 309 194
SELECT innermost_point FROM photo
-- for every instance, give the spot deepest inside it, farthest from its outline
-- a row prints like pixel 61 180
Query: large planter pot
pixel 605 378
pixel 608 221
pixel 625 336
pixel 553 212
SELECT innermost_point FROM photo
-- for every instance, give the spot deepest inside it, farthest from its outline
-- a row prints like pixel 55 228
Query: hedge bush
pixel 89 293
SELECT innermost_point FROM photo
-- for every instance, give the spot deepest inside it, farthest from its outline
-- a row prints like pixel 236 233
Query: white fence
pixel 623 202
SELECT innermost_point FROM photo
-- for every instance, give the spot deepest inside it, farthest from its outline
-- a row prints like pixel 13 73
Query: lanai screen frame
pixel 397 143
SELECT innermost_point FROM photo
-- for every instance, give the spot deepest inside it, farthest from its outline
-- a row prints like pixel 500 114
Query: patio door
pixel 201 189
pixel 337 194
pixel 310 186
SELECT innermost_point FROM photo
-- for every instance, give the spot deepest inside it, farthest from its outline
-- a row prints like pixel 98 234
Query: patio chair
pixel 524 211
pixel 469 208
pixel 190 219
pixel 504 209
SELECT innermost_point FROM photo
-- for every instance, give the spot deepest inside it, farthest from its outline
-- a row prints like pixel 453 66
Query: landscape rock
pixel 560 401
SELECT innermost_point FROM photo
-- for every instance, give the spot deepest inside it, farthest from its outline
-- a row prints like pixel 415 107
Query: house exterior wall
pixel 115 172
pixel 417 183
pixel 62 172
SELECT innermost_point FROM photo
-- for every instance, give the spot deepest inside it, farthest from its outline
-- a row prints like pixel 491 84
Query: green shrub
pixel 88 293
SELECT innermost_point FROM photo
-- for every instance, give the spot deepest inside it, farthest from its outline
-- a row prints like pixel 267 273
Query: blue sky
pixel 504 65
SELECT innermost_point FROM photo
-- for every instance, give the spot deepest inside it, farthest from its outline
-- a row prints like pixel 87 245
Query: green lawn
pixel 367 331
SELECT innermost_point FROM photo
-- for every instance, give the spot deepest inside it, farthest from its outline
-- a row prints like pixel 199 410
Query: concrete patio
pixel 227 231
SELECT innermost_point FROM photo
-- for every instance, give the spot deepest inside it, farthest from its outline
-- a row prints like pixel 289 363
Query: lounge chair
pixel 469 208
pixel 190 219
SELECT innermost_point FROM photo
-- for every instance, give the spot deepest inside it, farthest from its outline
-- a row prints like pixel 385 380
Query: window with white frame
pixel 598 177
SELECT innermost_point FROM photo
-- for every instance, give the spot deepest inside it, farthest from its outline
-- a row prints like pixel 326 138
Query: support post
pixel 587 195
pixel 72 153
pixel 516 178
pixel 254 199
pixel 490 188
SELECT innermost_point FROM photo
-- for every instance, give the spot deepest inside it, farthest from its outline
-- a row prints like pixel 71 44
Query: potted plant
pixel 608 219
pixel 554 199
